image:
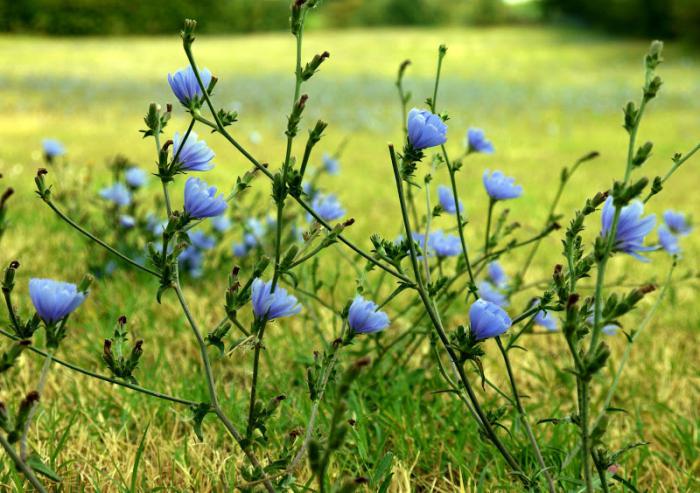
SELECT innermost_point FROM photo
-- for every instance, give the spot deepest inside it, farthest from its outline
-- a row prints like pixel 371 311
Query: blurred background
pixel 659 18
pixel 546 80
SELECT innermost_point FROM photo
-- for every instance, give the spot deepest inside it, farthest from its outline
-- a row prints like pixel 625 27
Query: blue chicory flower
pixel 477 142
pixel 496 274
pixel 240 249
pixel 331 164
pixel 545 319
pixel 201 200
pixel 135 177
pixel 117 193
pixel 185 86
pixel 668 240
pixel 364 318
pixel 492 294
pixel 425 129
pixel 54 300
pixel 195 155
pixel 52 148
pixel 191 260
pixel 126 221
pixel 444 245
pixel 500 186
pixel 607 329
pixel 487 320
pixel 221 223
pixel 271 305
pixel 677 222
pixel 447 200
pixel 327 207
pixel 631 228
pixel 201 240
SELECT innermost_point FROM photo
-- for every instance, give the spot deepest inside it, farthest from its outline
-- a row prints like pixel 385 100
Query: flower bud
pixel 652 88
pixel 312 67
pixel 8 282
pixel 295 20
pixel 85 283
pixel 654 58
pixel 187 32
pixel 42 191
pixel 642 154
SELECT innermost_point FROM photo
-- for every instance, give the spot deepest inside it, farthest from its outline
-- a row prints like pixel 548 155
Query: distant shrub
pixel 667 18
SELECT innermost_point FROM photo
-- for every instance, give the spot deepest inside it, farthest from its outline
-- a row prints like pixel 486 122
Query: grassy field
pixel 545 97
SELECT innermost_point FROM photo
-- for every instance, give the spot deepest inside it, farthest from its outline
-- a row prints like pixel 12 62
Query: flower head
pixel 221 223
pixel 331 164
pixel 195 155
pixel 364 318
pixel 545 319
pixel 192 260
pixel 447 200
pixel 201 240
pixel 201 200
pixel 677 222
pixel 52 148
pixel 492 294
pixel 444 245
pixel 240 249
pixel 631 227
pixel 272 305
pixel 54 300
pixel 607 329
pixel 327 207
pixel 135 177
pixel 487 320
pixel 500 186
pixel 425 129
pixel 185 86
pixel 126 221
pixel 477 142
pixel 668 240
pixel 117 193
pixel 496 274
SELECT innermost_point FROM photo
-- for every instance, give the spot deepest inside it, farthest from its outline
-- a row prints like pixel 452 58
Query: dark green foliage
pixel 658 18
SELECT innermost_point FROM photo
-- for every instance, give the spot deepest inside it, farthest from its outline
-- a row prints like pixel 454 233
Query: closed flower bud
pixel 642 154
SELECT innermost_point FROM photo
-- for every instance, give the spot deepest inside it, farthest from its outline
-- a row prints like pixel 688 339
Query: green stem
pixel 21 465
pixel 218 126
pixel 487 239
pixel 425 298
pixel 211 385
pixel 97 376
pixel 40 390
pixel 523 417
pixel 677 164
pixel 94 238
pixel 585 436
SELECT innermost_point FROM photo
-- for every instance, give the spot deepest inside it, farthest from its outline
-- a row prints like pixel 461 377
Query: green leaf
pixel 137 459
pixel 383 468
pixel 35 462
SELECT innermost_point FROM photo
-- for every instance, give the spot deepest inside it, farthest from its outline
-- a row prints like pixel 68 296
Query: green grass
pixel 545 97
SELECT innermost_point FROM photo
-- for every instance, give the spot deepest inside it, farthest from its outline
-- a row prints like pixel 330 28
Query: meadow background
pixel 545 94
